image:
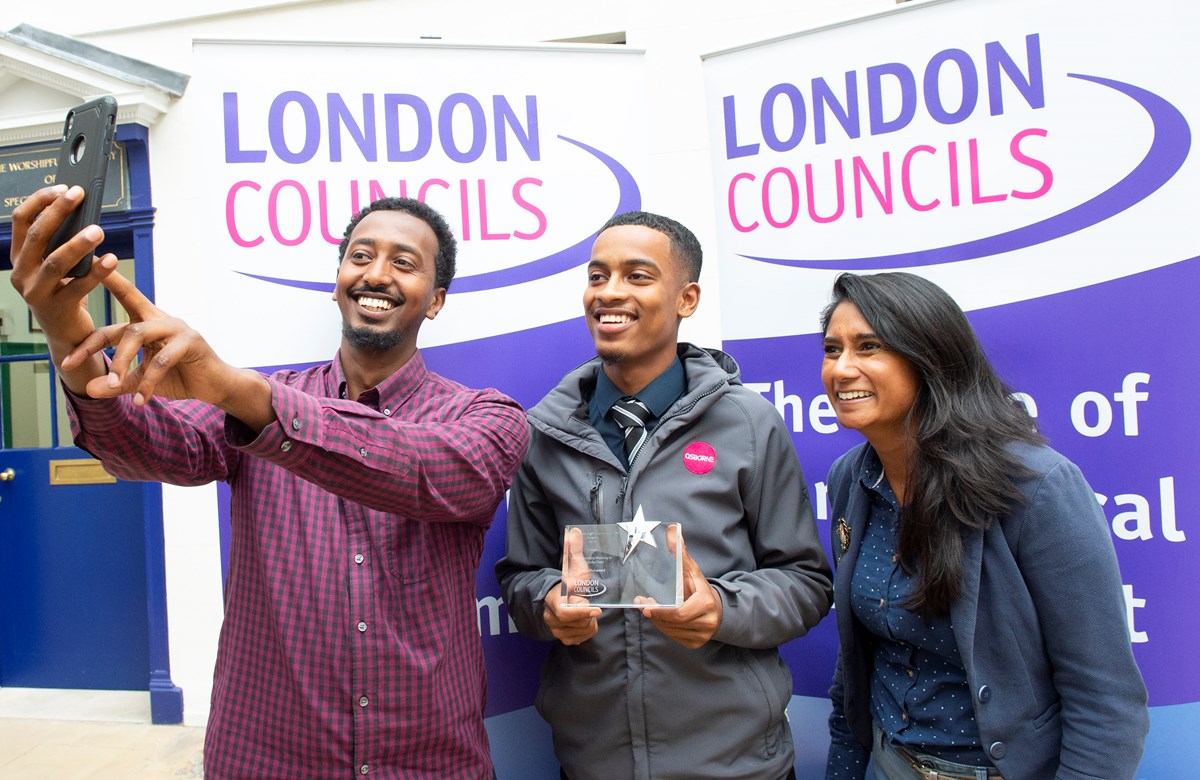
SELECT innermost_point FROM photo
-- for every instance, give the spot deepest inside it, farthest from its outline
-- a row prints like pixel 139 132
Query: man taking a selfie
pixel 361 491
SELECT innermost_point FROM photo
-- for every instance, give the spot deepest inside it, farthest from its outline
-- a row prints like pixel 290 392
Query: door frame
pixel 130 234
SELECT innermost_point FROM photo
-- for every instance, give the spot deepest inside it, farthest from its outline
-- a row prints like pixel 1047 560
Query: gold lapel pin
pixel 843 533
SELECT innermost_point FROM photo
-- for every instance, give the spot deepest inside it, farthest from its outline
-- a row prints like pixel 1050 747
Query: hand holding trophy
pixel 623 565
pixel 570 618
pixel 697 619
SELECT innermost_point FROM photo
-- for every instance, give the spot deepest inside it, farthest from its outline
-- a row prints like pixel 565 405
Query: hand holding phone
pixel 89 131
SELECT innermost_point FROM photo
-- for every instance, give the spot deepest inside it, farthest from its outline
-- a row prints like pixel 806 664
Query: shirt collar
pixel 605 394
pixel 657 396
pixel 392 392
pixel 870 473
pixel 872 477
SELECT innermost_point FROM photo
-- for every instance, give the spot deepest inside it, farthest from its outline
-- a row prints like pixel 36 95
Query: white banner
pixel 1007 149
pixel 289 139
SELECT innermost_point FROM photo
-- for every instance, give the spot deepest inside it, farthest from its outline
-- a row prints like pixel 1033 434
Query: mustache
pixel 376 289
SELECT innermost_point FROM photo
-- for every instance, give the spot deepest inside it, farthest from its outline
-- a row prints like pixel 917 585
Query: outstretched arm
pixel 176 362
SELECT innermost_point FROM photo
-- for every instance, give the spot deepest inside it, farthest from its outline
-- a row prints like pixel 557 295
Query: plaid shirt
pixel 350 645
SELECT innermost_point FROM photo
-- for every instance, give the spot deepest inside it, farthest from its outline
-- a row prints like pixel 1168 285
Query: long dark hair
pixel 961 472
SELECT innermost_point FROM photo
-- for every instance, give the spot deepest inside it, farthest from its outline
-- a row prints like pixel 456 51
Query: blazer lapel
pixel 965 608
pixel 857 509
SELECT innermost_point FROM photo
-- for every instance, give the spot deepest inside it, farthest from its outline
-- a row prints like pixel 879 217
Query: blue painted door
pixel 73 608
pixel 72 579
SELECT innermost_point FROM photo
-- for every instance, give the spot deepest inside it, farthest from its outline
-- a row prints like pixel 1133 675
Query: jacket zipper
pixel 684 410
pixel 596 498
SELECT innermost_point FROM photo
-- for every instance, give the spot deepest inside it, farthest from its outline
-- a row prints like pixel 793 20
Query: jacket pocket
pixel 772 680
pixel 1050 714
pixel 543 693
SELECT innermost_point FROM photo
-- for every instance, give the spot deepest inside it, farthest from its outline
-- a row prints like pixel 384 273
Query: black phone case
pixel 86 146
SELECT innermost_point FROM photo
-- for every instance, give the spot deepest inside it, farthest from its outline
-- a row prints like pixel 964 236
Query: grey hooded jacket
pixel 630 702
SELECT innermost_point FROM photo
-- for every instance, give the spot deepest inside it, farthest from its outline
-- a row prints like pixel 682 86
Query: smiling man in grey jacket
pixel 661 693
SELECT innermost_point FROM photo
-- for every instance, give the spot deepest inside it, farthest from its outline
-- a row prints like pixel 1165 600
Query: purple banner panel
pixel 1108 375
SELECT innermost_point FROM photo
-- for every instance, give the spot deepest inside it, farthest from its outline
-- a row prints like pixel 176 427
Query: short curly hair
pixel 447 246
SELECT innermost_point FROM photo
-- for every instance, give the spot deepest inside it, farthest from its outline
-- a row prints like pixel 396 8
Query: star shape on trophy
pixel 639 531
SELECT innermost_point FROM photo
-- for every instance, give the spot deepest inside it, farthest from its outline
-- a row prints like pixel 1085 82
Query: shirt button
pixel 895 558
pixel 295 423
pixel 362 451
pixel 362 770
pixel 358 558
pixel 285 447
pixel 387 412
pixel 911 673
pixel 362 626
pixel 362 702
pixel 882 603
pixel 904 717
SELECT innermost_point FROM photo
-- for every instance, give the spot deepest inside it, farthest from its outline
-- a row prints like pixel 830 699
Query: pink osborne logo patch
pixel 699 458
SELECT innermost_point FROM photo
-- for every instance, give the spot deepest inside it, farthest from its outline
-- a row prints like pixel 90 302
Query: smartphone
pixel 83 154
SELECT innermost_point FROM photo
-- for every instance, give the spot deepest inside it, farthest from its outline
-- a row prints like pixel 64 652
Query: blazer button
pixel 985 694
pixel 997 750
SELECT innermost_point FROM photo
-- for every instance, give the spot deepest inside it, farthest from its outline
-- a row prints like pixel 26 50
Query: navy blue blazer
pixel 1040 625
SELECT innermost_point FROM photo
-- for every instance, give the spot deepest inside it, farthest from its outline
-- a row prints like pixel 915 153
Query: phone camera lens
pixel 77 150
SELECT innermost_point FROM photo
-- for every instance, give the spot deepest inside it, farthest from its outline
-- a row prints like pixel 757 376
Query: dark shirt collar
pixel 604 395
pixel 870 474
pixel 657 396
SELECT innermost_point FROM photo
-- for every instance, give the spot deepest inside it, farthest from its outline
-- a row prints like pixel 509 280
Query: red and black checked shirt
pixel 350 645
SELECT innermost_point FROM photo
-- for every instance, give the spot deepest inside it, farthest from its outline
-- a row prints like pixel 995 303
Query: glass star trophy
pixel 622 565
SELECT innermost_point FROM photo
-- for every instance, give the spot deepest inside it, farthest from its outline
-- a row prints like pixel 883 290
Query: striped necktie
pixel 632 415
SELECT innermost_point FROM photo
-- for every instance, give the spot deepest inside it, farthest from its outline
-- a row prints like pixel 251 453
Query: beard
pixel 609 354
pixel 370 339
pixel 610 357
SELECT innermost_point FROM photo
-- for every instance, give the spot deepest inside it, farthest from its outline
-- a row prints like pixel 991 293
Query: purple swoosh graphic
pixel 1168 150
pixel 630 199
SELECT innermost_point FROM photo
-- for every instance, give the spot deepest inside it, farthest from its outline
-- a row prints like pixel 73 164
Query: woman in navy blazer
pixel 979 605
